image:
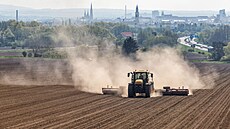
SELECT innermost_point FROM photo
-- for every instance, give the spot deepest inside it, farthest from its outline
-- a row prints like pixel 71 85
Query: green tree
pixel 227 52
pixel 106 25
pixel 100 32
pixel 222 34
pixel 148 38
pixel 7 37
pixel 24 53
pixel 130 46
pixel 145 34
pixel 218 51
pixel 33 24
pixel 12 32
pixel 40 41
pixel 119 28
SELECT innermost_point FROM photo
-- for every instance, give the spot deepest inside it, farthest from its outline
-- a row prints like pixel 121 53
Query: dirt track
pixel 62 106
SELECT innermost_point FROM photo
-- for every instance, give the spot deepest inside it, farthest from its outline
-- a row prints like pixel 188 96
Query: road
pixel 189 43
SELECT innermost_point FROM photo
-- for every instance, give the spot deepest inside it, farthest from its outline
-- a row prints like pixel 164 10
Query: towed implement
pixel 113 91
pixel 167 91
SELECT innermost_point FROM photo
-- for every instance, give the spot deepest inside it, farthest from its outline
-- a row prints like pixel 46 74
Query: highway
pixel 188 42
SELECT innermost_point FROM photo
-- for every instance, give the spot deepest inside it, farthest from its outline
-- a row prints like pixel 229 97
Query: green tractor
pixel 141 82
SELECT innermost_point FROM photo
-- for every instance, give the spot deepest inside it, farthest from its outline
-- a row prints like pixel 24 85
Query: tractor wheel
pixel 148 90
pixel 131 92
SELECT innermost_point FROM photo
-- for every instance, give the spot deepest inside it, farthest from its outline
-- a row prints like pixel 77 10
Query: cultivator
pixel 167 91
pixel 113 91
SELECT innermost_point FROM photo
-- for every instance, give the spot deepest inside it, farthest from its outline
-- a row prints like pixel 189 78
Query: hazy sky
pixel 119 4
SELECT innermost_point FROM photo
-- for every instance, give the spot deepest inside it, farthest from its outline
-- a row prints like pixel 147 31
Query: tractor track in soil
pixel 63 106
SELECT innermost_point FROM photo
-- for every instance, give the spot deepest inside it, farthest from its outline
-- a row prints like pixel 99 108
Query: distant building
pixel 222 13
pixel 91 12
pixel 17 15
pixel 127 34
pixel 70 23
pixel 155 14
pixel 221 17
pixel 162 13
pixel 88 14
pixel 125 12
pixel 137 15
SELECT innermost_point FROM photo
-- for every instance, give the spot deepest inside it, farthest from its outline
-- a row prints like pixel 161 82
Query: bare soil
pixel 51 101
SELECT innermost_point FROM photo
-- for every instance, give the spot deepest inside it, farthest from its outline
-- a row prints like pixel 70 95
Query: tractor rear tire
pixel 131 92
pixel 148 90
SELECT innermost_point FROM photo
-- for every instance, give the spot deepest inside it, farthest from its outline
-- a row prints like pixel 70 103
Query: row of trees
pixel 14 33
pixel 149 37
pixel 219 38
pixel 216 36
pixel 39 38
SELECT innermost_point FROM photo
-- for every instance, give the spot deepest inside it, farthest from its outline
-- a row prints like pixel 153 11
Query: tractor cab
pixel 141 82
pixel 141 75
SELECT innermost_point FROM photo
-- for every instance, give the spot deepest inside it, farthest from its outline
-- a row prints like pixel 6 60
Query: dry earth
pixel 54 103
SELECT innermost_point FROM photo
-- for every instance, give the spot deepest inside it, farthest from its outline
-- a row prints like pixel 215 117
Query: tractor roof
pixel 141 71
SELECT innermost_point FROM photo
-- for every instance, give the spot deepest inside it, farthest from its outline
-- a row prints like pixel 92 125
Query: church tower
pixel 91 12
pixel 137 15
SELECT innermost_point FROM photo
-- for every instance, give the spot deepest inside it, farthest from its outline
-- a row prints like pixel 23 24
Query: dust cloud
pixel 94 69
pixel 35 72
pixel 92 73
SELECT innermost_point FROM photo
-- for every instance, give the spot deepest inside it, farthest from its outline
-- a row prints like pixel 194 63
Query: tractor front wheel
pixel 148 90
pixel 131 92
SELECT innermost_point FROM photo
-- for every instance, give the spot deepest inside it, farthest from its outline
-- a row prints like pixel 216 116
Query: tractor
pixel 141 82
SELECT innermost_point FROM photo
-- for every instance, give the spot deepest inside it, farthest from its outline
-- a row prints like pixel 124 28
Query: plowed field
pixel 62 106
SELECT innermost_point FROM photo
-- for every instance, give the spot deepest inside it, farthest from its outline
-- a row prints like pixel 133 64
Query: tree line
pixel 38 37
pixel 219 38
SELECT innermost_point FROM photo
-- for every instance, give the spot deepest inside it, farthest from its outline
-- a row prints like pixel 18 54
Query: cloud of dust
pixel 29 72
pixel 170 69
pixel 93 69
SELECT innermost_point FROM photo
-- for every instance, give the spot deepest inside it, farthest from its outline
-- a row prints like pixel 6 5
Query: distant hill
pixel 8 12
